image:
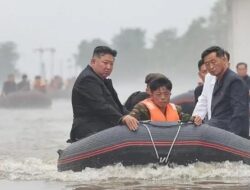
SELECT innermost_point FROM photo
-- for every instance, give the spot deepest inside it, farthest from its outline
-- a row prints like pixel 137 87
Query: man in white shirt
pixel 203 106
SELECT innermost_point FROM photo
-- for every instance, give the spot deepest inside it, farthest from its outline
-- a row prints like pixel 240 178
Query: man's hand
pixel 197 120
pixel 131 122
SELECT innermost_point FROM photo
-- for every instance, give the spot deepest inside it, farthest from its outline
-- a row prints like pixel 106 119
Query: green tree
pixel 173 55
pixel 131 58
pixel 85 51
pixel 129 40
pixel 218 25
pixel 180 54
pixel 163 53
pixel 201 34
pixel 192 43
pixel 8 58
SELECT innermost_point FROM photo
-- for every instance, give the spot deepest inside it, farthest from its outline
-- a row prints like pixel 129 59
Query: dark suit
pixel 197 92
pixel 95 105
pixel 247 80
pixel 230 104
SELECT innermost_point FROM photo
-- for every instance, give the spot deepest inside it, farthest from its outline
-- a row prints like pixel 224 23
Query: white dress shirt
pixel 203 106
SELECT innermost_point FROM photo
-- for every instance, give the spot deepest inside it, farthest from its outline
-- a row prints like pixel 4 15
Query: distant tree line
pixel 8 58
pixel 169 53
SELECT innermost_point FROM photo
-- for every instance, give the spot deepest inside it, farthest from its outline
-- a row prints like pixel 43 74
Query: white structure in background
pixel 239 35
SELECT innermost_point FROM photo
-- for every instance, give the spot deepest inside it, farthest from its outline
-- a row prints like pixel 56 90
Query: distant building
pixel 239 34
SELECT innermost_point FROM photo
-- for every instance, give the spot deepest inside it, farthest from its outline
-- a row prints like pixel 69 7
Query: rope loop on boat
pixel 152 140
pixel 162 159
pixel 172 145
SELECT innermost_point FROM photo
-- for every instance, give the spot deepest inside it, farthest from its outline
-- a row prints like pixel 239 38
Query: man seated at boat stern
pixel 138 96
pixel 95 103
pixel 229 105
pixel 157 107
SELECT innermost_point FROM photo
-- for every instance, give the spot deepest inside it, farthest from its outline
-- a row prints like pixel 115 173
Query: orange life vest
pixel 157 115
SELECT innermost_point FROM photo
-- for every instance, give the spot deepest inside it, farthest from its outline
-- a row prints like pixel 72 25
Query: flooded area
pixel 29 140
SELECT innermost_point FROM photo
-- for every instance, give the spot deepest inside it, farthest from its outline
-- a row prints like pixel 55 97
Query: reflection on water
pixel 29 140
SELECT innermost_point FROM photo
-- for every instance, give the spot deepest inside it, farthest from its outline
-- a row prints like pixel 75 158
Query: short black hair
pixel 241 63
pixel 102 50
pixel 200 63
pixel 160 82
pixel 152 76
pixel 220 52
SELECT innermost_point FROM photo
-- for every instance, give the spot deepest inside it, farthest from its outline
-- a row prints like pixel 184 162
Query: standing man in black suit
pixel 94 100
pixel 229 105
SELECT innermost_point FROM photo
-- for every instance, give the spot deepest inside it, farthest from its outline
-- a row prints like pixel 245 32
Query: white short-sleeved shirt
pixel 203 106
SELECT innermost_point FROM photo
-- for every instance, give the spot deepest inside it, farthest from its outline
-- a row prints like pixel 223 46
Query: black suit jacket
pixel 95 105
pixel 197 92
pixel 230 104
pixel 247 80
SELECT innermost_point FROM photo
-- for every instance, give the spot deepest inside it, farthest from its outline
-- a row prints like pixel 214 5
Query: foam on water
pixel 37 169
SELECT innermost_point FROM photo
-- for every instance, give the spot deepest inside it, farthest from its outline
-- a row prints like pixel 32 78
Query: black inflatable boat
pixel 161 143
pixel 185 100
pixel 25 99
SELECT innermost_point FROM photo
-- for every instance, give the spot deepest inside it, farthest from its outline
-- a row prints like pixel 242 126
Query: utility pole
pixel 61 69
pixel 52 60
pixel 75 57
pixel 40 52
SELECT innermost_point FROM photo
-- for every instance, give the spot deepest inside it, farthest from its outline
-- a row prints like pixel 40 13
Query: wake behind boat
pixel 160 143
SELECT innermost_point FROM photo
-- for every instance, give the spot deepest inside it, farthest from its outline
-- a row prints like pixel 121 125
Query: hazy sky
pixel 62 24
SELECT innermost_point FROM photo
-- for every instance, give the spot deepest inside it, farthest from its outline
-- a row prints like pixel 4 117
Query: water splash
pixel 37 169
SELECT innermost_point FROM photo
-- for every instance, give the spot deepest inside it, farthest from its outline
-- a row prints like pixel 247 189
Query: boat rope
pixel 152 140
pixel 171 147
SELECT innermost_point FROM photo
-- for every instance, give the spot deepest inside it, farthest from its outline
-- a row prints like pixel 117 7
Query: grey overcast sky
pixel 62 24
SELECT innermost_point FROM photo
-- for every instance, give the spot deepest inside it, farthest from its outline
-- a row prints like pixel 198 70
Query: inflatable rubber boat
pixel 185 100
pixel 25 99
pixel 159 143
